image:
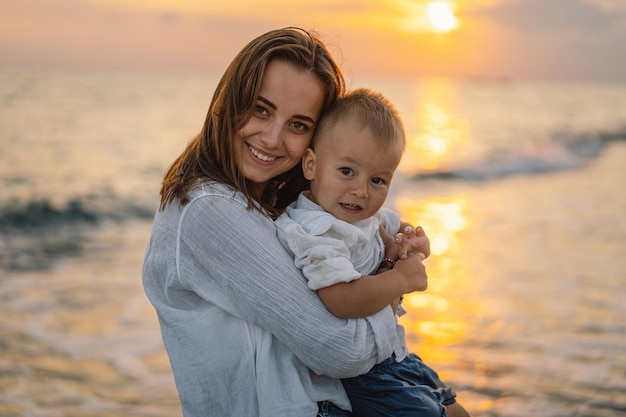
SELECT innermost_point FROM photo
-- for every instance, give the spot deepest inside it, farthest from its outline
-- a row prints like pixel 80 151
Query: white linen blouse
pixel 239 323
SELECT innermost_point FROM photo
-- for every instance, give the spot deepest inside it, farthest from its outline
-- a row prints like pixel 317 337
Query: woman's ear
pixel 308 164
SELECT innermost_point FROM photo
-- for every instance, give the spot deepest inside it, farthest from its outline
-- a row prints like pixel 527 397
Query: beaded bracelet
pixel 387 264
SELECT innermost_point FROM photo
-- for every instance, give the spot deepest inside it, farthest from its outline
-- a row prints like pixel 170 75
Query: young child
pixel 332 231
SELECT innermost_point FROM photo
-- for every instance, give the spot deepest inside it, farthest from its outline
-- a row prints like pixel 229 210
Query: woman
pixel 239 324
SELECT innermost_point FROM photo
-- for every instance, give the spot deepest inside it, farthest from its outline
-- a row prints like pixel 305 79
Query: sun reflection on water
pixel 439 135
pixel 433 320
pixel 443 322
pixel 443 219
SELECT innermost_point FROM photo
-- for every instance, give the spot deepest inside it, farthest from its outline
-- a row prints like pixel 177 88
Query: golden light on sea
pixel 442 220
pixel 439 135
pixel 432 320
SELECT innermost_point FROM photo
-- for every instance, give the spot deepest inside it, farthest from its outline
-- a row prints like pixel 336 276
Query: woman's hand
pixel 411 241
pixel 406 243
pixel 392 249
pixel 408 248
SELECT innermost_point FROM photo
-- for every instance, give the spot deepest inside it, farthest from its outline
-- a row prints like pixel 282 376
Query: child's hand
pixel 411 241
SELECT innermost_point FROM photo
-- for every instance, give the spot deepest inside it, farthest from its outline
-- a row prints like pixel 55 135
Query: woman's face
pixel 282 123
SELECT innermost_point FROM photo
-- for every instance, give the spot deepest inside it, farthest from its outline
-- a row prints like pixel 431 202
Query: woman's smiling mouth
pixel 260 156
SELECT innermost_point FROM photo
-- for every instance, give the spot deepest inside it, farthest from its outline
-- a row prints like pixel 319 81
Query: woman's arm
pixel 229 250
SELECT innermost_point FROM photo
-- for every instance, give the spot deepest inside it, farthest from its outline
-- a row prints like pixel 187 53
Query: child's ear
pixel 308 164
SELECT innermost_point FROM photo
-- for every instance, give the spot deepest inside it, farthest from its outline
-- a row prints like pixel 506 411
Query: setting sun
pixel 441 17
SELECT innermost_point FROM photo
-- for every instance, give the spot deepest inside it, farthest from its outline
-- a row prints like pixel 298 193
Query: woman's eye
pixel 301 127
pixel 260 110
pixel 346 171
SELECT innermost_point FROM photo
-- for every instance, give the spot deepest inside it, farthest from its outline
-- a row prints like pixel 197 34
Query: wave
pixel 43 213
pixel 35 234
pixel 565 152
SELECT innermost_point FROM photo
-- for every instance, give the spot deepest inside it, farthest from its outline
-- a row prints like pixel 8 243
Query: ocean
pixel 519 185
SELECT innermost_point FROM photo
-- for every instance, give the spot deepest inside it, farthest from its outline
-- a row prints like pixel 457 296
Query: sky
pixel 530 39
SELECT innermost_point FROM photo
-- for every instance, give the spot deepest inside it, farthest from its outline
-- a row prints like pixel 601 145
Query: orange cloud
pixel 392 37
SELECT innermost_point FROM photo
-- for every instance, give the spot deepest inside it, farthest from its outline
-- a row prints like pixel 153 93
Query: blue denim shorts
pixel 328 409
pixel 406 388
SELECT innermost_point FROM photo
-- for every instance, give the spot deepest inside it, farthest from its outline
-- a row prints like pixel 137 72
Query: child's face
pixel 350 171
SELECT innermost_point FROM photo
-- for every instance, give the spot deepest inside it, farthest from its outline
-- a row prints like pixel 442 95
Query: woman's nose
pixel 272 135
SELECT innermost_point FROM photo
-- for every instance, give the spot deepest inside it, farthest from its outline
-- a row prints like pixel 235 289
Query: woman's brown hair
pixel 210 155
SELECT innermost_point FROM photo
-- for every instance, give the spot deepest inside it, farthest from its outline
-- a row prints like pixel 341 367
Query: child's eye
pixel 378 181
pixel 348 172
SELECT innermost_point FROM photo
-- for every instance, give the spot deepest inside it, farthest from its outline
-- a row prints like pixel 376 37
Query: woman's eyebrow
pixel 297 116
pixel 269 103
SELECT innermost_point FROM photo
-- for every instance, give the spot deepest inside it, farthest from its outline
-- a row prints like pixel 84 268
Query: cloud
pixel 516 38
pixel 557 39
pixel 609 6
pixel 71 33
pixel 554 16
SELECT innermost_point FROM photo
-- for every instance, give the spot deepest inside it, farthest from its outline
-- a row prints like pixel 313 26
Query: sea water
pixel 519 185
